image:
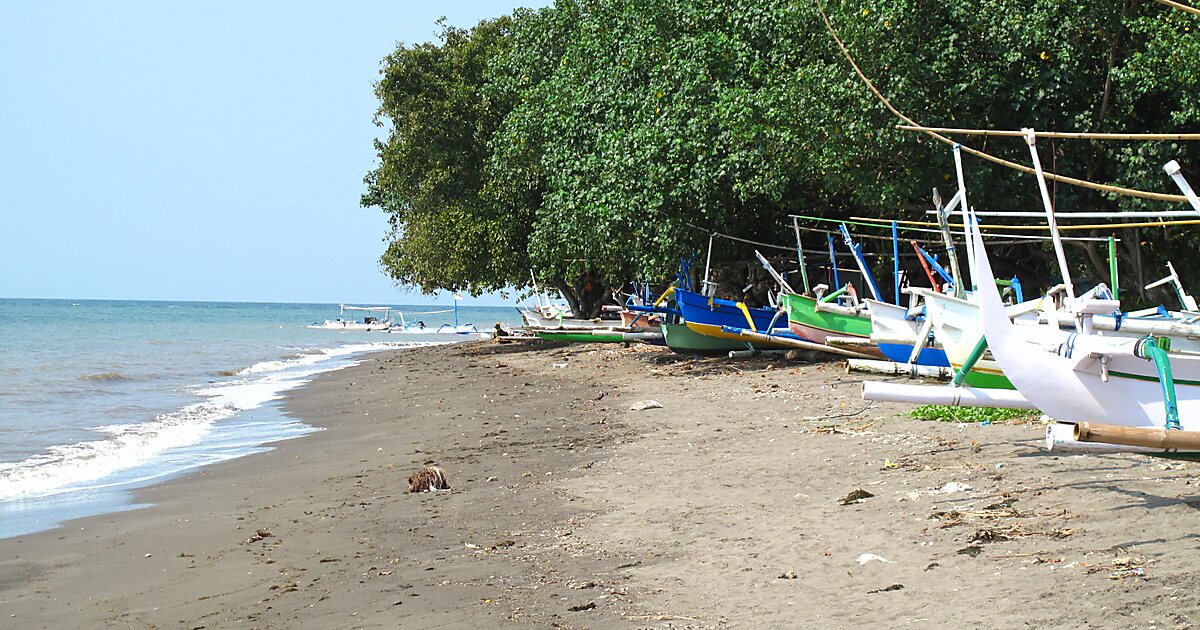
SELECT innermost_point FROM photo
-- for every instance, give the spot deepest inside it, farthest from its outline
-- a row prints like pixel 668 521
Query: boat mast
pixel 962 207
pixel 705 284
pixel 1031 138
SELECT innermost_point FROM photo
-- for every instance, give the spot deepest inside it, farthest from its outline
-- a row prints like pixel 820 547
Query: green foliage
pixel 446 232
pixel 610 136
pixel 943 413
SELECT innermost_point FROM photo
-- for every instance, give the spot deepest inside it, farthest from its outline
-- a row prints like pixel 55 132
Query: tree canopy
pixel 610 137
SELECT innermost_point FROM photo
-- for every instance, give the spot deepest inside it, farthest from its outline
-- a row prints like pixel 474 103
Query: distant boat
pixel 419 328
pixel 374 318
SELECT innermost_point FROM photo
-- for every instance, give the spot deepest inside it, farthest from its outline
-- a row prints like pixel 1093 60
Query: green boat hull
pixel 802 310
pixel 684 340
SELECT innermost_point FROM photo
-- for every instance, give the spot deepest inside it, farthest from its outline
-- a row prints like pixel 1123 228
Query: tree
pixel 446 232
pixel 597 141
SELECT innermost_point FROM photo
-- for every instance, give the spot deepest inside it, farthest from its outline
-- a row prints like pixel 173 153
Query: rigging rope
pixel 1132 192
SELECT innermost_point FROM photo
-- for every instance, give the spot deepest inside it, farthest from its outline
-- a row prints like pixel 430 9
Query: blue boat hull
pixel 696 309
pixel 929 356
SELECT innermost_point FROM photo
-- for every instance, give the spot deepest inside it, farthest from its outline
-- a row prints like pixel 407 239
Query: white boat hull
pixel 1062 374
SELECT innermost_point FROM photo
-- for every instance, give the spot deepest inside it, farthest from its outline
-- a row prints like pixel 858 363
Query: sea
pixel 101 397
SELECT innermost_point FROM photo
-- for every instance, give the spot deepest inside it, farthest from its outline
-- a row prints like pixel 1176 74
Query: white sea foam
pixel 124 447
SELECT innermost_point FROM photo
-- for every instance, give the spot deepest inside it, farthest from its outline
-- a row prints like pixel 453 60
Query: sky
pixel 199 150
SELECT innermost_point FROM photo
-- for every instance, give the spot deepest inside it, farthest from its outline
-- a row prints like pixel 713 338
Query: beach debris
pixel 790 575
pixel 855 496
pixel 1124 573
pixel 951 518
pixel 581 607
pixel 931 566
pixel 559 365
pixel 953 487
pixel 645 404
pixel 1120 568
pixel 259 534
pixel 581 585
pixel 972 551
pixel 1014 532
pixel 868 557
pixel 894 587
pixel 428 479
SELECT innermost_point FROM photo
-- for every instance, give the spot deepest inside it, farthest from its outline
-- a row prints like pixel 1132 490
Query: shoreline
pixel 723 508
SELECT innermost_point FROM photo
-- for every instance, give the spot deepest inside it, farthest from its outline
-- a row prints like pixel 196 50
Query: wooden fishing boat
pixel 1086 377
pixel 630 318
pixel 896 335
pixel 684 340
pixel 712 316
pixel 816 321
pixel 956 327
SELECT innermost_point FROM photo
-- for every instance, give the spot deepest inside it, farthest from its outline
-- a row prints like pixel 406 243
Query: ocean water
pixel 100 397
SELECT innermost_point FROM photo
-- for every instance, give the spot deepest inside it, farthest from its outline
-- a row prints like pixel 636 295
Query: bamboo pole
pixel 882 223
pixel 1127 214
pixel 1057 134
pixel 1138 436
pixel 1181 7
pixel 1092 226
pixel 1060 437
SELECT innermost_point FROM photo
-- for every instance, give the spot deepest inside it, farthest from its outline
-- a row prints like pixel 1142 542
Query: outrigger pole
pixel 1172 169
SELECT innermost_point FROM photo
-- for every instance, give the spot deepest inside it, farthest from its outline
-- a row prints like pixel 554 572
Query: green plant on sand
pixel 944 413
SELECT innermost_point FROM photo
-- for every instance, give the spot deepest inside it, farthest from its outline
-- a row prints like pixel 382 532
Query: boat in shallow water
pixel 374 318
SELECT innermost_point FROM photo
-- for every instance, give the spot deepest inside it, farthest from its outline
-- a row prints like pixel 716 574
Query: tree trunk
pixel 569 293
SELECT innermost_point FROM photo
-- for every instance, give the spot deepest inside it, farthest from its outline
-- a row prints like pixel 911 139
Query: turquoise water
pixel 99 397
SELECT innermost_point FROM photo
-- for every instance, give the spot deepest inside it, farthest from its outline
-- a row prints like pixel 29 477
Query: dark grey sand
pixel 721 509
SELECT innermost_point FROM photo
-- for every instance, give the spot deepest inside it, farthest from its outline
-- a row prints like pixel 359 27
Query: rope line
pixel 1181 7
pixel 1132 192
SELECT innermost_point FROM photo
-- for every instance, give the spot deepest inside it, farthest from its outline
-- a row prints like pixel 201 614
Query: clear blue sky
pixel 198 150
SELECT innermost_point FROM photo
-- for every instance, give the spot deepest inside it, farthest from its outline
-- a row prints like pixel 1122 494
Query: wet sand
pixel 723 508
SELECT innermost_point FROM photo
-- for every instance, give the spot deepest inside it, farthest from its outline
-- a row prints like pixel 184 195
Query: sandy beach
pixel 726 507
